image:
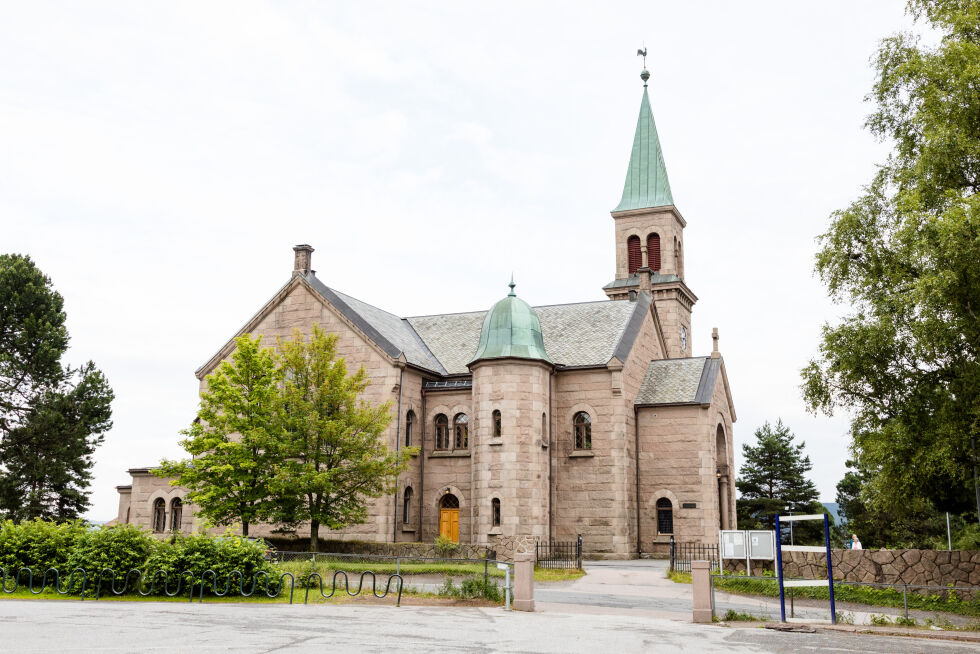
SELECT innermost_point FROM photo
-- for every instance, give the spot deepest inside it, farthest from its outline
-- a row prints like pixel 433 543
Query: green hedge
pixel 40 545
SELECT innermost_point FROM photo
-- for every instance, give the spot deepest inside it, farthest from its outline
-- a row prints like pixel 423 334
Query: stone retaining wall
pixel 427 550
pixel 913 567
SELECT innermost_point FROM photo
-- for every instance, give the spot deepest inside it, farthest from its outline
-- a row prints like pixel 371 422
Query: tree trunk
pixel 314 535
pixel 245 528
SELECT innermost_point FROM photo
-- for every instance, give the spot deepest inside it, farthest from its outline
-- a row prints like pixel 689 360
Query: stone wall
pixel 427 550
pixel 913 567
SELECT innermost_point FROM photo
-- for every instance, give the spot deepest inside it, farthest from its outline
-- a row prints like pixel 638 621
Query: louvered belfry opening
pixel 653 251
pixel 635 257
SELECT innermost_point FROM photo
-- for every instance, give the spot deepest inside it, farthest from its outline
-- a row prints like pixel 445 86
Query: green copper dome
pixel 511 329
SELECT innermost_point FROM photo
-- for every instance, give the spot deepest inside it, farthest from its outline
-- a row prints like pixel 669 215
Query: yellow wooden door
pixel 449 524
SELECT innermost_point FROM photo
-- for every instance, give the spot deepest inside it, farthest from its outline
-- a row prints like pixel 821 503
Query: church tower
pixel 650 237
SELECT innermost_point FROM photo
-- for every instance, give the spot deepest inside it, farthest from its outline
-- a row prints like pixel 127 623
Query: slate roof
pixel 585 334
pixel 679 381
pixel 634 280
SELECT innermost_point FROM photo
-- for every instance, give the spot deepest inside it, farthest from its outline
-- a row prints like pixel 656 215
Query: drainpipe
pixel 424 420
pixel 636 458
pixel 398 441
pixel 551 424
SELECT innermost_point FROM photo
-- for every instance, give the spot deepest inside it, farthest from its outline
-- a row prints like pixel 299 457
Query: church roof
pixel 679 381
pixel 575 335
pixel 511 329
pixel 646 178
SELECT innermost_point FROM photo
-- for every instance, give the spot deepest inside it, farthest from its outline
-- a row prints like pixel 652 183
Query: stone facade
pixel 913 567
pixel 656 423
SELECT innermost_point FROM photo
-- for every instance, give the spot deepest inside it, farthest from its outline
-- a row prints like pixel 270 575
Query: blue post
pixel 830 568
pixel 779 571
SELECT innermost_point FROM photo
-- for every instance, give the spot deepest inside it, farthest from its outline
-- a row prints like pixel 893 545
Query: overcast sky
pixel 159 160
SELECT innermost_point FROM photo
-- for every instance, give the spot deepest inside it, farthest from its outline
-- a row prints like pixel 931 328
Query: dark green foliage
pixel 122 548
pixel 223 555
pixel 51 417
pixel 905 363
pixel 32 336
pixel 773 480
pixel 38 544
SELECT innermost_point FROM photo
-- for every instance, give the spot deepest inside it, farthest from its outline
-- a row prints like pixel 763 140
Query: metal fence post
pixel 579 551
pixel 905 600
pixel 672 553
pixel 486 567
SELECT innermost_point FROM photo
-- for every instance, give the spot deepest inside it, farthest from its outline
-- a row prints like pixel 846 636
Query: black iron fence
pixel 558 554
pixel 681 555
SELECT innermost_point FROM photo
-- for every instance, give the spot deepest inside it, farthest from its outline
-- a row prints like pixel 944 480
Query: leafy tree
pixel 52 417
pixel 48 458
pixel 233 441
pixel 335 454
pixel 773 479
pixel 905 363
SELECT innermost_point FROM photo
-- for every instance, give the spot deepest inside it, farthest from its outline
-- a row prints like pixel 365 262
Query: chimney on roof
pixel 303 259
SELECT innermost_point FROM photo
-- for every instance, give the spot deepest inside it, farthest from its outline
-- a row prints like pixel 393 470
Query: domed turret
pixel 511 329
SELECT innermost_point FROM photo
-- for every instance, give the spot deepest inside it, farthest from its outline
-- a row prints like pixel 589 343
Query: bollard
pixel 523 581
pixel 701 585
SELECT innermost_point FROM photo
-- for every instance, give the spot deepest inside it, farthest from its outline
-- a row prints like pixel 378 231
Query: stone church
pixel 592 418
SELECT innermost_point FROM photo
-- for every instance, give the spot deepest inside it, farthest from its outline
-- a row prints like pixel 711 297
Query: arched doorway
pixel 722 474
pixel 449 517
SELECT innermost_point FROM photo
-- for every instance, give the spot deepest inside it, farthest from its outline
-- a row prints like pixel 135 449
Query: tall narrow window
pixel 583 431
pixel 665 516
pixel 497 429
pixel 409 427
pixel 462 428
pixel 544 429
pixel 176 514
pixel 653 251
pixel 634 255
pixel 159 515
pixel 495 511
pixel 442 432
pixel 407 505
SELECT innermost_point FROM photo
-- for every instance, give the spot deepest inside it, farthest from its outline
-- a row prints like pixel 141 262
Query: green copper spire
pixel 646 179
pixel 511 329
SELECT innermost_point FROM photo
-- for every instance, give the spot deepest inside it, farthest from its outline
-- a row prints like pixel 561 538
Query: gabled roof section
pixel 679 381
pixel 389 332
pixel 646 184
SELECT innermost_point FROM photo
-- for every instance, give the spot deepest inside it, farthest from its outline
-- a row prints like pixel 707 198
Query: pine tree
pixel 773 478
pixel 52 417
pixel 335 457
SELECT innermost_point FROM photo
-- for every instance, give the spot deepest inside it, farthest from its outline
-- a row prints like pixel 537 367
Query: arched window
pixel 653 251
pixel 176 513
pixel 407 505
pixel 449 501
pixel 409 427
pixel 583 431
pixel 544 429
pixel 159 515
pixel 442 432
pixel 495 511
pixel 462 429
pixel 665 516
pixel 497 428
pixel 633 253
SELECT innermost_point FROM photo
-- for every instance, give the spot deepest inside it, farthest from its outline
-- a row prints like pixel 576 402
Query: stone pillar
pixel 524 581
pixel 645 283
pixel 701 585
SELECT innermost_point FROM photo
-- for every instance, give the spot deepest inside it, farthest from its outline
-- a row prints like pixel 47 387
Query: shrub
pixel 37 544
pixel 445 546
pixel 121 548
pixel 472 587
pixel 222 555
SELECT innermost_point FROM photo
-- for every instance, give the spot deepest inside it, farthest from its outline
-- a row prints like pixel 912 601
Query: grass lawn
pixel 868 595
pixel 557 574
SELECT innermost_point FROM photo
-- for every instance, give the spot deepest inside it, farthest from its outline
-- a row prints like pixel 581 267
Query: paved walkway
pixel 73 627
